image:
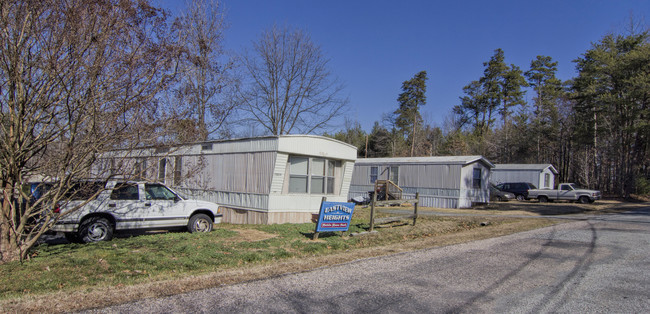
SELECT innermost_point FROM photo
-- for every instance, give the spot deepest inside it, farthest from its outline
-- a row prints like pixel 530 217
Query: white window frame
pixel 328 176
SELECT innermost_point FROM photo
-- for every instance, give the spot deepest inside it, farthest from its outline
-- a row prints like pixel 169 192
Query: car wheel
pixel 200 223
pixel 520 197
pixel 543 199
pixel 499 199
pixel 583 200
pixel 95 229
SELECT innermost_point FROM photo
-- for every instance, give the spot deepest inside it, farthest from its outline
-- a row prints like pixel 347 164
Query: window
pixel 331 165
pixel 318 176
pixel 207 147
pixel 125 191
pixel 140 169
pixel 311 175
pixel 298 174
pixel 393 175
pixel 374 171
pixel 84 190
pixel 476 181
pixel 177 170
pixel 162 169
pixel 158 192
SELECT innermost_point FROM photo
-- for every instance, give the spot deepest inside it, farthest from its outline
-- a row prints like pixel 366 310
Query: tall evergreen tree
pixel 407 116
pixel 612 93
pixel 548 92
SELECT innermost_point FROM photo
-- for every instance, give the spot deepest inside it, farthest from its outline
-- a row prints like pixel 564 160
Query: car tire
pixel 543 199
pixel 200 223
pixel 499 199
pixel 95 229
pixel 583 200
pixel 520 197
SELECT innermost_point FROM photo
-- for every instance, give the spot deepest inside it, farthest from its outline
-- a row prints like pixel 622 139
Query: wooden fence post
pixel 316 233
pixel 372 210
pixel 415 211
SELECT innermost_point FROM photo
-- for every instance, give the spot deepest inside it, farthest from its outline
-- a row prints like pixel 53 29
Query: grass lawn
pixel 80 276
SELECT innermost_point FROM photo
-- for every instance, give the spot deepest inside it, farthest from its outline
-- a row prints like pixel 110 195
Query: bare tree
pixel 77 78
pixel 289 86
pixel 202 102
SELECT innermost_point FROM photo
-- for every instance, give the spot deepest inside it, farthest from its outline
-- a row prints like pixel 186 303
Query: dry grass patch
pixel 252 235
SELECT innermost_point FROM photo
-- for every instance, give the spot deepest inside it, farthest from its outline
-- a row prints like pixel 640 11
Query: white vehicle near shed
pixel 131 206
pixel 565 191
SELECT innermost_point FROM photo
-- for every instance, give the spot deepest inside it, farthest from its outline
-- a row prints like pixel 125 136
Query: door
pixel 126 206
pixel 162 207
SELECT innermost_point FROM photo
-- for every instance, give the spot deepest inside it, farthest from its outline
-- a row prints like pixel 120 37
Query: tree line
pixel 593 128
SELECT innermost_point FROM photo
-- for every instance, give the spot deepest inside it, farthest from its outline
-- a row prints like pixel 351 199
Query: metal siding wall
pixel 438 184
pixel 240 173
pixel 238 200
pixel 430 176
pixel 503 176
pixel 360 175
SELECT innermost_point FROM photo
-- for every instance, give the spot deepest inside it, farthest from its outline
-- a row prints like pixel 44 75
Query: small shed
pixel 444 182
pixel 262 180
pixel 541 175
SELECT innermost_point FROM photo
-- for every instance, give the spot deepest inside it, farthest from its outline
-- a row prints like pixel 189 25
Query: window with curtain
pixel 312 175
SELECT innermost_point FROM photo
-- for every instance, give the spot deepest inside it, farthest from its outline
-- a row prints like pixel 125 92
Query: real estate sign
pixel 334 216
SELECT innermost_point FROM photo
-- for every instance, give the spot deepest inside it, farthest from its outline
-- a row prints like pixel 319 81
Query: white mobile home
pixel 541 175
pixel 445 182
pixel 262 180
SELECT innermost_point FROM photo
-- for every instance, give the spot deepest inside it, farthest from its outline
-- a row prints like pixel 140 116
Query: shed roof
pixel 443 160
pixel 539 167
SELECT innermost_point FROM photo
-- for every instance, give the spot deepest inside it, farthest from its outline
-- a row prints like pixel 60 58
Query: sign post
pixel 333 216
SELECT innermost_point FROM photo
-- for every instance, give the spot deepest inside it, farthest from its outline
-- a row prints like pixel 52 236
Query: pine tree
pixel 407 116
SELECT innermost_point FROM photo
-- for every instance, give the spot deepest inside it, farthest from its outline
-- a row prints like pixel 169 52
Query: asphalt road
pixel 601 264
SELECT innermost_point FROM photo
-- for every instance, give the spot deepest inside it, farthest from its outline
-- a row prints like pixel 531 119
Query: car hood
pixel 588 191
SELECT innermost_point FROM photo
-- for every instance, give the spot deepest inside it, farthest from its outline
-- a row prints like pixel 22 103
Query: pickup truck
pixel 565 191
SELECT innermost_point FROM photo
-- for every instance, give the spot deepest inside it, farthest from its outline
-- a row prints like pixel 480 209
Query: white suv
pixel 129 206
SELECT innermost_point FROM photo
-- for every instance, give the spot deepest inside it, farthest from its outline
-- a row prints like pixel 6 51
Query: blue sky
pixel 374 46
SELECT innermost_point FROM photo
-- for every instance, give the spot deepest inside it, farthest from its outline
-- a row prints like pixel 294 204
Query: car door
pixel 163 207
pixel 126 206
pixel 566 192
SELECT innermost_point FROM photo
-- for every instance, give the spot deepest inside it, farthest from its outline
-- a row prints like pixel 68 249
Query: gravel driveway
pixel 597 265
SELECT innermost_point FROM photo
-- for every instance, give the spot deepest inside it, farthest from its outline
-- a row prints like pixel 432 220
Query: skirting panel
pixel 243 216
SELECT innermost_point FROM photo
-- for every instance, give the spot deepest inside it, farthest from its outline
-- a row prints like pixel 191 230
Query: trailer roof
pixel 540 167
pixel 448 160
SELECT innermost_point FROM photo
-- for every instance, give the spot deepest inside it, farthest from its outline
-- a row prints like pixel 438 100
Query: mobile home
pixel 263 180
pixel 444 182
pixel 541 175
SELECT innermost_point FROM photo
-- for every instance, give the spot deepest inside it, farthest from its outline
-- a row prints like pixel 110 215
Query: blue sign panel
pixel 334 216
